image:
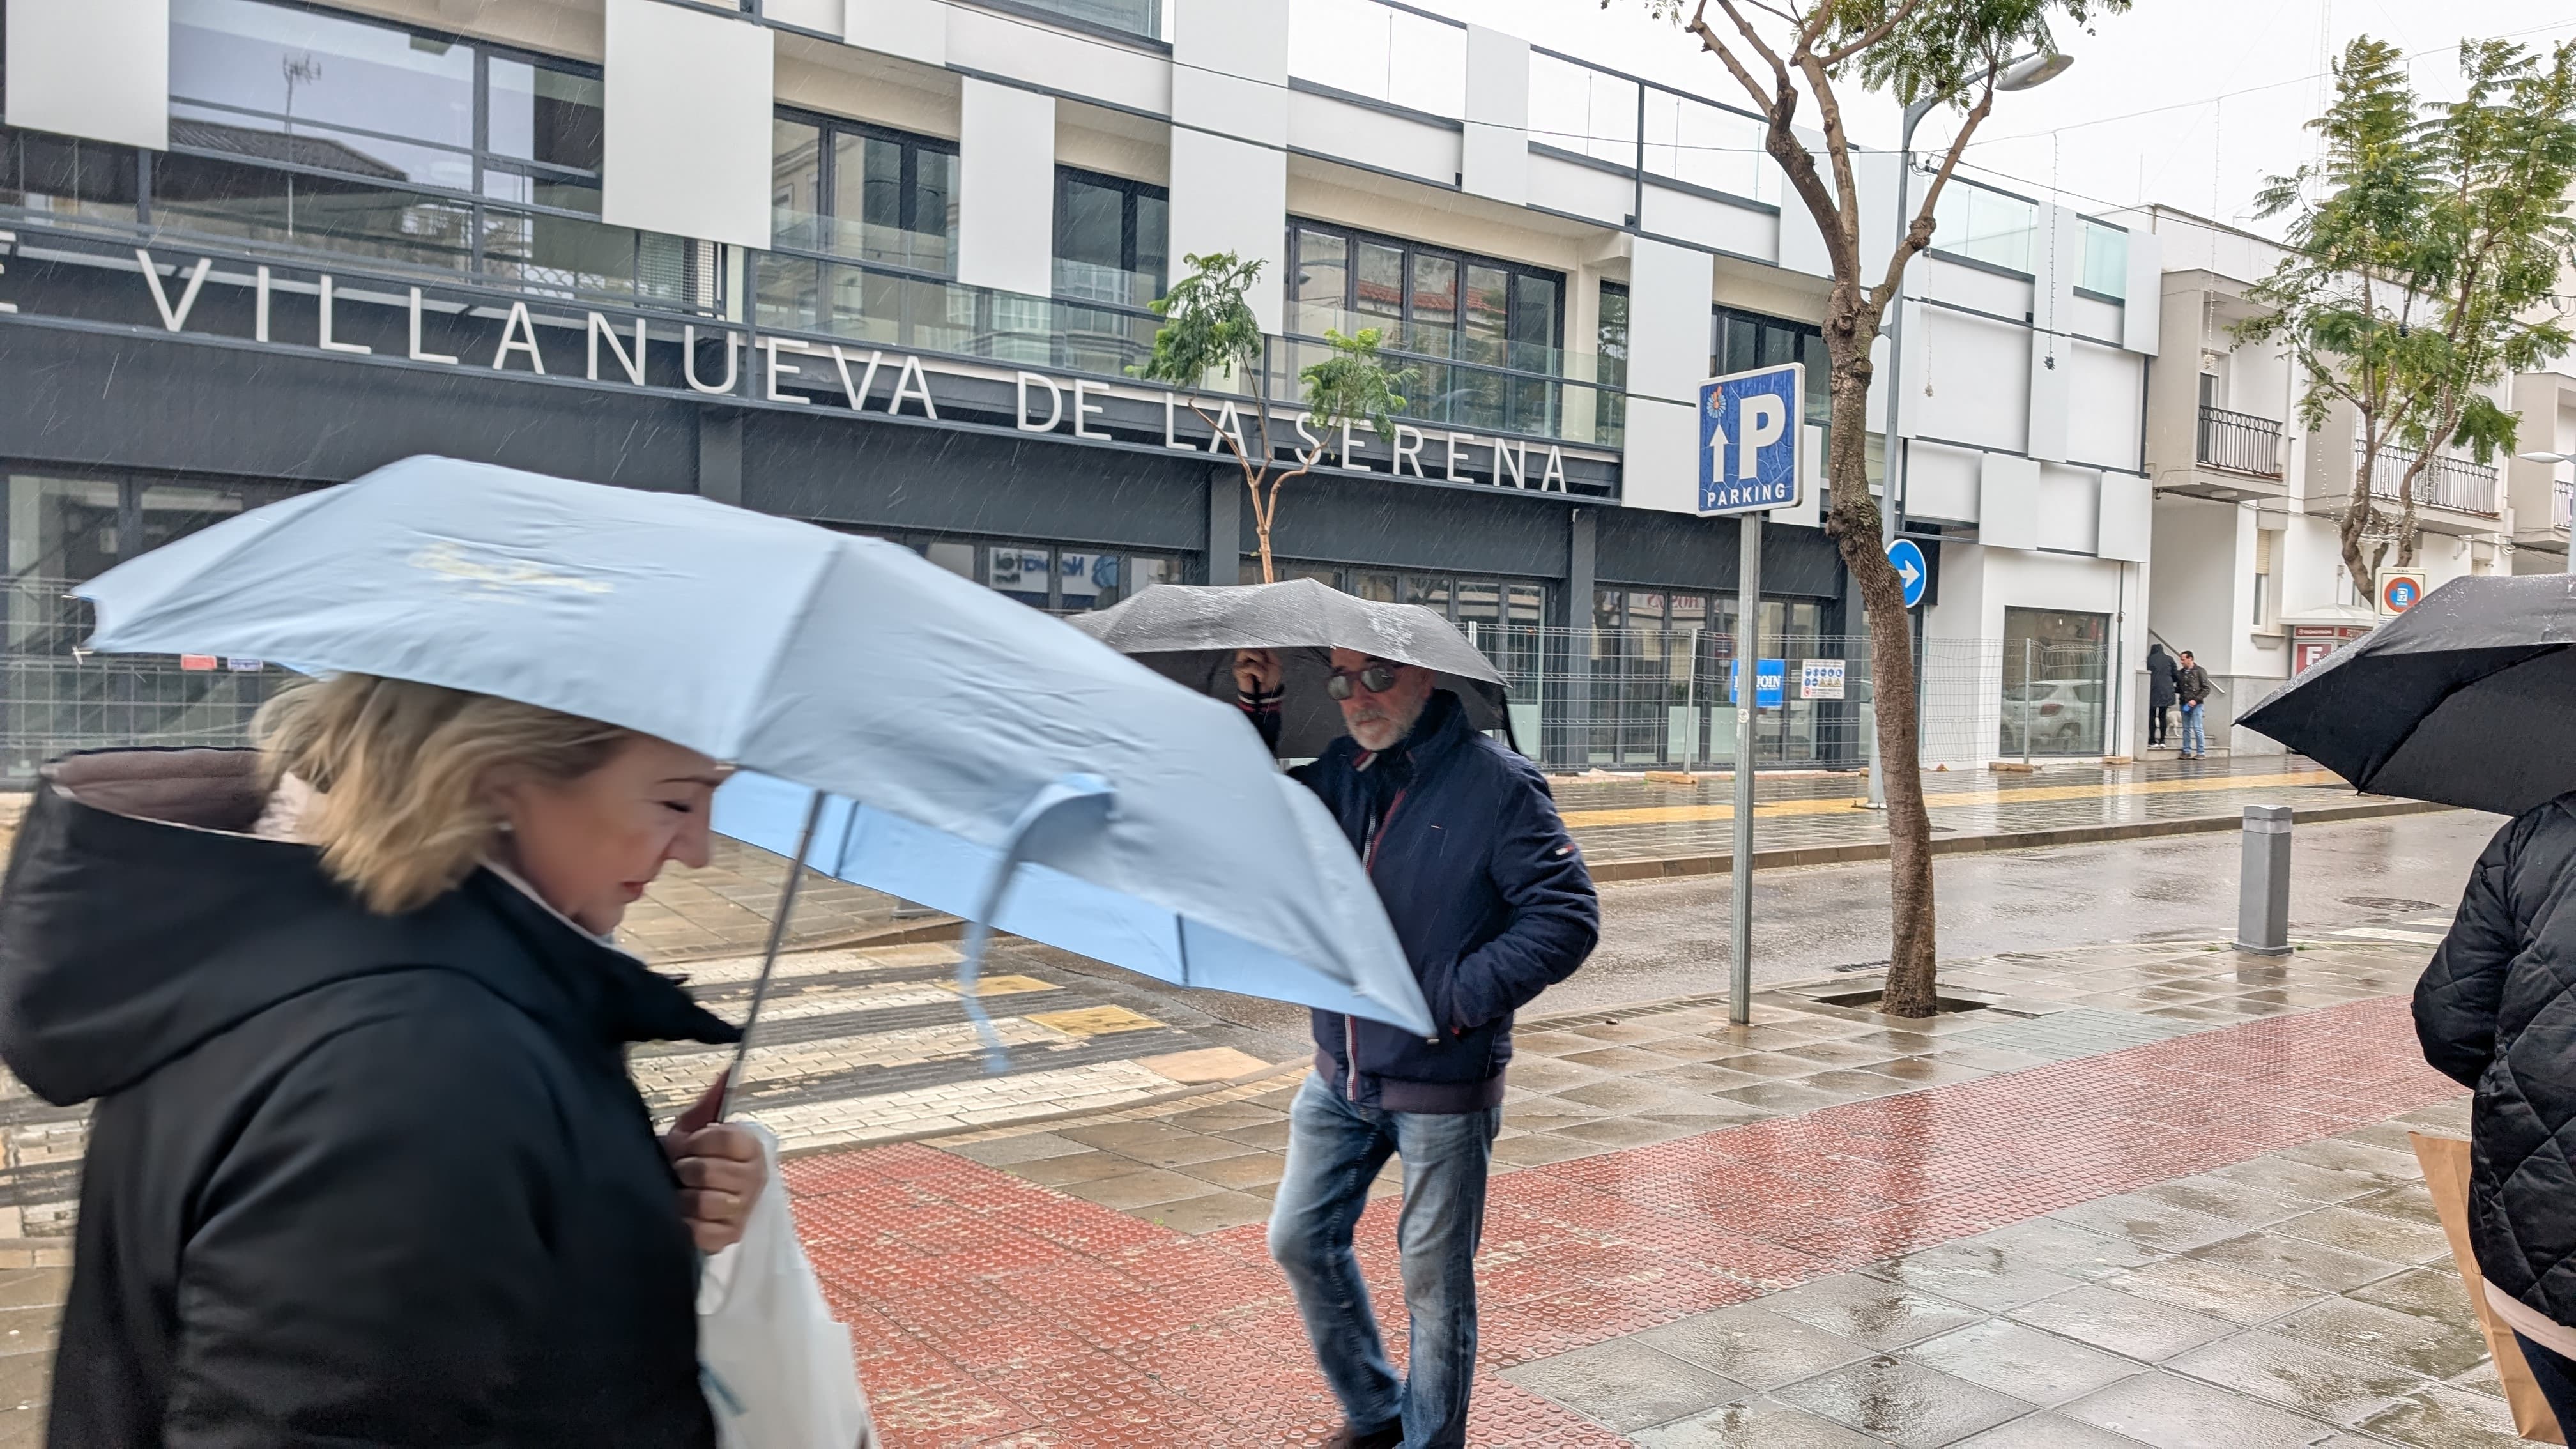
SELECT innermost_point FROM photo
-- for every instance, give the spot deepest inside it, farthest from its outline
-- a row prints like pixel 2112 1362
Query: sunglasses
pixel 1376 679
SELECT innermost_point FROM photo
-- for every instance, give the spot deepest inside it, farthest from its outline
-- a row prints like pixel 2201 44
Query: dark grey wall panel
pixel 1408 525
pixel 167 403
pixel 1675 549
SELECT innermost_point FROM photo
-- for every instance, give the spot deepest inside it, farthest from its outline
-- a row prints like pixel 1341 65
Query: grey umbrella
pixel 1189 633
pixel 2469 698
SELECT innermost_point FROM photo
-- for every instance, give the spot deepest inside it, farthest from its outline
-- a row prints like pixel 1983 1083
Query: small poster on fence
pixel 1820 679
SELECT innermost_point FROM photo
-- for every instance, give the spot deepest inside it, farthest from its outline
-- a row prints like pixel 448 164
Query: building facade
pixel 886 265
pixel 2249 572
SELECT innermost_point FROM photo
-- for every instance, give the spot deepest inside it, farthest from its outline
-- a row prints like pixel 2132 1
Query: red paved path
pixel 989 1311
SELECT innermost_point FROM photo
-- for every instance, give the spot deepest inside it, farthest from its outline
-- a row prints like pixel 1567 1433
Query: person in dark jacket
pixel 2496 1012
pixel 2160 694
pixel 1489 896
pixel 2191 686
pixel 365 1166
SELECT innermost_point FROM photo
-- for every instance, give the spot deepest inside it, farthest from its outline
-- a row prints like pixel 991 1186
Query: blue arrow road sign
pixel 1908 559
pixel 1749 436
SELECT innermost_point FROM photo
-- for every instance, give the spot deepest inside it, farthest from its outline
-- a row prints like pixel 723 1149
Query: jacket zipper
pixel 1350 1029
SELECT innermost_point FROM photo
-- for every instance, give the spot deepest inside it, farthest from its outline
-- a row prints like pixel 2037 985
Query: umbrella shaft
pixel 769 958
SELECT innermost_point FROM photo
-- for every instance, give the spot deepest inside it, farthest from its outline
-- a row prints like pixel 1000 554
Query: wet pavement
pixel 2145 1197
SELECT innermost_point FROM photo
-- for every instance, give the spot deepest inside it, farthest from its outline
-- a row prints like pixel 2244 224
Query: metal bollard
pixel 2263 883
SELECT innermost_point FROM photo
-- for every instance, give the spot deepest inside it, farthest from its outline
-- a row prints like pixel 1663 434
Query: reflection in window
pixel 2106 260
pixel 64 177
pixel 1742 341
pixel 879 196
pixel 1112 239
pixel 303 127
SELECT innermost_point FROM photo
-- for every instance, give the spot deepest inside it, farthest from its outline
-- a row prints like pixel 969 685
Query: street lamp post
pixel 2019 75
pixel 2553 458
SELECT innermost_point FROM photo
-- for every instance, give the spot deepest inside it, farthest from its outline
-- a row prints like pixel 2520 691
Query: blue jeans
pixel 2195 741
pixel 1334 1150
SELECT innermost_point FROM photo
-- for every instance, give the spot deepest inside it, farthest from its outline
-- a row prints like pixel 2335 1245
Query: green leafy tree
pixel 1210 331
pixel 2426 248
pixel 1795 60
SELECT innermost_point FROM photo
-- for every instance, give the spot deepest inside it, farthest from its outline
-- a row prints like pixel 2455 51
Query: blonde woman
pixel 365 1166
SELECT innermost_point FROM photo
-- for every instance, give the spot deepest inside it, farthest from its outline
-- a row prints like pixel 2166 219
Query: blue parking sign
pixel 1749 437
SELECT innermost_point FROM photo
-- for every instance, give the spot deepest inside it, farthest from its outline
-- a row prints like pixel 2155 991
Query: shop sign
pixel 1820 679
pixel 1749 439
pixel 1770 681
pixel 798 371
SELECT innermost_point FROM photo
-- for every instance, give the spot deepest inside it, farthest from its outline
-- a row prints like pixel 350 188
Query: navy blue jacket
pixel 1487 892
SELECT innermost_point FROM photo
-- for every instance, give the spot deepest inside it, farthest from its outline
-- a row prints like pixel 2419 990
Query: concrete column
pixel 1494 157
pixel 699 169
pixel 1006 189
pixel 1224 525
pixel 96 69
pixel 1559 741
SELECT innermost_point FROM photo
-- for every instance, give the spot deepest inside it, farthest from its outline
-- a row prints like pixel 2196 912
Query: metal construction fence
pixel 1581 698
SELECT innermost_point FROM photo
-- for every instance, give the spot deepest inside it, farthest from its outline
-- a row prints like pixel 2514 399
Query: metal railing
pixel 2239 442
pixel 1663 699
pixel 55 699
pixel 2446 482
pixel 2562 504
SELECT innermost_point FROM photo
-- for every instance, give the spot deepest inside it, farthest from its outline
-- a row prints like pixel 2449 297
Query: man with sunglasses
pixel 1490 898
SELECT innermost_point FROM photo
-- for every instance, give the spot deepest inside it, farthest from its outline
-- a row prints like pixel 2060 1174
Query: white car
pixel 2064 716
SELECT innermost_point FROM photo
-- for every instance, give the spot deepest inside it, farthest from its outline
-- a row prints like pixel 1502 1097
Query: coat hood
pixel 138 919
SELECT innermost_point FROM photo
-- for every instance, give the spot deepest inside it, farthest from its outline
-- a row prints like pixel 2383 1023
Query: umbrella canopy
pixel 1188 633
pixel 2469 698
pixel 960 743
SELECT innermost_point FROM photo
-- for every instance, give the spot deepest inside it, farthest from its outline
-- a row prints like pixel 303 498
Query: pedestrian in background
pixel 2496 1012
pixel 2160 693
pixel 366 1167
pixel 2191 687
pixel 1490 898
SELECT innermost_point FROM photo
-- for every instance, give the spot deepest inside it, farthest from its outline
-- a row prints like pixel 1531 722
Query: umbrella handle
pixel 769 958
pixel 1069 806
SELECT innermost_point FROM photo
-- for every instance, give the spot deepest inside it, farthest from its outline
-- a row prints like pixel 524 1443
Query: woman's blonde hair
pixel 402 775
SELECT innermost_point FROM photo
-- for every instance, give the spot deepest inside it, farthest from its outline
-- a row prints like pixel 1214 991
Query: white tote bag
pixel 776 1364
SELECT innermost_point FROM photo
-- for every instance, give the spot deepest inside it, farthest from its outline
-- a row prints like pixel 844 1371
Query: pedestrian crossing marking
pixel 1208 1064
pixel 1948 799
pixel 1093 1020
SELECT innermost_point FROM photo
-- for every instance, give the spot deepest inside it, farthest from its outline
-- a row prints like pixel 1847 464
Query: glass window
pixel 1020 573
pixel 957 558
pixel 1110 239
pixel 57 174
pixel 545 113
pixel 1437 304
pixel 1378 288
pixel 2055 666
pixel 285 68
pixel 857 191
pixel 1986 226
pixel 2106 260
pixel 1323 277
pixel 1742 341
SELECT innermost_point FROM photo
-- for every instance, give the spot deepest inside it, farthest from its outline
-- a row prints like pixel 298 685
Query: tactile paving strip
pixel 992 1312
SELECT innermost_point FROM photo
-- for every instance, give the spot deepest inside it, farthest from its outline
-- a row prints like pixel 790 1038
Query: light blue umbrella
pixel 898 726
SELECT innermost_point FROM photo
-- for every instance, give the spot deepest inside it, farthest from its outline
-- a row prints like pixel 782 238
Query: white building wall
pixel 96 69
pixel 700 169
pixel 1006 188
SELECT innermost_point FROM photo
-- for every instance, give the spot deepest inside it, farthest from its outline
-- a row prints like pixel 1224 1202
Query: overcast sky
pixel 2226 86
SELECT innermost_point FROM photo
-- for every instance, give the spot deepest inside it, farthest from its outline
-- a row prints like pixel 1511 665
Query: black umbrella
pixel 1189 633
pixel 2469 698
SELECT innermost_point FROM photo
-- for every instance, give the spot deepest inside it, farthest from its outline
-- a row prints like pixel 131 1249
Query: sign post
pixel 1906 557
pixel 1749 436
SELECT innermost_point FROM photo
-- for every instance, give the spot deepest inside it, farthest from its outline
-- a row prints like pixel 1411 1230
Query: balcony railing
pixel 1469 381
pixel 2562 505
pixel 2446 482
pixel 2239 442
pixel 1136 17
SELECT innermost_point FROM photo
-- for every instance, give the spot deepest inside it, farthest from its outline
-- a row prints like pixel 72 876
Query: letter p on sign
pixel 1749 440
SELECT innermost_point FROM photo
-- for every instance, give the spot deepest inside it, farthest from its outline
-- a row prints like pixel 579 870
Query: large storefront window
pixel 303 127
pixel 2056 682
pixel 1063 579
pixel 1659 680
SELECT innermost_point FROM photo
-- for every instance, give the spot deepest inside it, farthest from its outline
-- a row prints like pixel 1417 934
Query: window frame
pixel 478 152
pixel 1354 237
pixel 827 184
pixel 1130 193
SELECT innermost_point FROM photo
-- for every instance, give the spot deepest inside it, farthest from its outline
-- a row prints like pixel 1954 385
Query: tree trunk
pixel 1913 957
pixel 2356 519
pixel 1261 528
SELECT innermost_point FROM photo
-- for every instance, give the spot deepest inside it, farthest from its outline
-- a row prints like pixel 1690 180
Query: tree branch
pixel 1868 38
pixel 1918 230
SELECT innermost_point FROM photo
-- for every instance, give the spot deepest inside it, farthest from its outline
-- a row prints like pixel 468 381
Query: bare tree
pixel 1796 56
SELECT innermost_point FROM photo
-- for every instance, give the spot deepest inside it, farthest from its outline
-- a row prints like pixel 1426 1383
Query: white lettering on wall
pixel 1451 457
pixel 1171 411
pixel 417 355
pixel 857 395
pixel 911 383
pixel 598 328
pixel 1553 480
pixel 1407 452
pixel 1083 406
pixel 1229 429
pixel 327 344
pixel 174 318
pixel 776 367
pixel 689 361
pixel 518 334
pixel 1515 457
pixel 1314 448
pixel 1055 403
pixel 1350 451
